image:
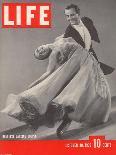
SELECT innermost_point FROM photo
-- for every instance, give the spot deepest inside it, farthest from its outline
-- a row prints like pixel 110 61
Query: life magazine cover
pixel 57 76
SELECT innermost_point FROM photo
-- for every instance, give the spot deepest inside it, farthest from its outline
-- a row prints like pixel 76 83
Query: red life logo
pixel 26 15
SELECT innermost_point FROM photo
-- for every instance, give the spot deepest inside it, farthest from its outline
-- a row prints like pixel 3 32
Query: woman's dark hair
pixel 73 6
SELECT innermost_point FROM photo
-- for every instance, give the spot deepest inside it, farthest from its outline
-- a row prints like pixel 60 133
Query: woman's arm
pixel 50 69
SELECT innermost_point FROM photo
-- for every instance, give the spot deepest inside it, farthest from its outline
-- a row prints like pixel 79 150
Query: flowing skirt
pixel 79 82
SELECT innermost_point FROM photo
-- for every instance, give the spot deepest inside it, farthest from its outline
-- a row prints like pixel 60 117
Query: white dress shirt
pixel 83 31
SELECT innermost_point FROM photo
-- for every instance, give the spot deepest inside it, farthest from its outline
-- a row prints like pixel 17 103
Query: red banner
pixel 94 146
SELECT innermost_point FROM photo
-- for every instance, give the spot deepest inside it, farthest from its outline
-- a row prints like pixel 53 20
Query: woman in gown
pixel 74 84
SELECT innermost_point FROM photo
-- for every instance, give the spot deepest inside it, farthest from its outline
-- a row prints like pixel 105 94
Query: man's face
pixel 72 16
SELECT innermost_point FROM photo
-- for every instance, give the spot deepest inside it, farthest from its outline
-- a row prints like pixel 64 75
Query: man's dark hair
pixel 73 6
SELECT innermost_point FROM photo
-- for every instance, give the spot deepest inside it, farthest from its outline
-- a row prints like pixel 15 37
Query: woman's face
pixel 42 52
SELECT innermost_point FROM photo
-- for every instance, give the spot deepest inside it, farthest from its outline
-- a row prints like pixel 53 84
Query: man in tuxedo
pixel 83 31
